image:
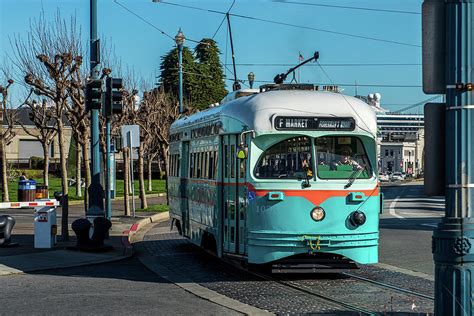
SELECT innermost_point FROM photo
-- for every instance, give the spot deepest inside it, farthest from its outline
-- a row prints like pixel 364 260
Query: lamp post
pixel 251 77
pixel 179 39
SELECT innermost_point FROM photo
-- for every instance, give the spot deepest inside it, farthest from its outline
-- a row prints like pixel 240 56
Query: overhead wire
pixel 223 19
pixel 347 101
pixel 293 25
pixel 329 64
pixel 152 25
pixel 417 104
pixel 347 7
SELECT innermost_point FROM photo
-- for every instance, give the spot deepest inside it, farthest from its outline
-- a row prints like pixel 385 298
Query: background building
pixel 400 139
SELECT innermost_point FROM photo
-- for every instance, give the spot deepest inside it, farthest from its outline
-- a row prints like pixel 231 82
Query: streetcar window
pixel 211 165
pixel 206 166
pixel 215 164
pixel 232 161
pixel 288 159
pixel 198 169
pixel 191 165
pixel 226 161
pixel 342 157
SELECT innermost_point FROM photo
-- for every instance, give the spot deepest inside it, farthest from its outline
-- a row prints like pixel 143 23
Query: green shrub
pixel 36 163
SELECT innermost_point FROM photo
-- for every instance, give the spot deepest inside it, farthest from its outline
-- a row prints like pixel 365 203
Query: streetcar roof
pixel 257 111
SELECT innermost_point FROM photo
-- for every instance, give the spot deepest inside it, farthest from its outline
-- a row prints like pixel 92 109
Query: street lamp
pixel 251 77
pixel 179 39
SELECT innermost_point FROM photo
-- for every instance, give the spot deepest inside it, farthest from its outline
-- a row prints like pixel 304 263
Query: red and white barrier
pixel 41 203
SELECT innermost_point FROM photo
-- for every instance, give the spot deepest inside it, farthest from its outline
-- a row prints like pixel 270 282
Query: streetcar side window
pixel 216 156
pixel 342 157
pixel 232 161
pixel 211 165
pixel 226 161
pixel 289 159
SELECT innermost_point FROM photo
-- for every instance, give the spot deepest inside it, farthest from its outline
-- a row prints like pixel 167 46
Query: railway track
pixel 306 286
pixel 326 298
pixel 389 286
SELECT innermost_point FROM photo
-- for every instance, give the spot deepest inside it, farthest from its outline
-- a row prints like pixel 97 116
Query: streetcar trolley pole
pixel 448 37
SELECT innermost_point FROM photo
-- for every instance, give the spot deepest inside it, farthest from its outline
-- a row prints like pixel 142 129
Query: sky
pixel 373 47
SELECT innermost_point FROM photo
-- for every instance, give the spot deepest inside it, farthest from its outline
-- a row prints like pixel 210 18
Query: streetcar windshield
pixel 341 157
pixel 289 159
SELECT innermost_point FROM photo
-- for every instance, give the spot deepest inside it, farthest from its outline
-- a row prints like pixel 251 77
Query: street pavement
pixel 61 281
pixel 169 276
pixel 406 227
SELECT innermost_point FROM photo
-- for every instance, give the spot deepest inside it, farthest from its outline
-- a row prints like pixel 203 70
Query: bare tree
pixel 43 119
pixel 48 59
pixel 6 133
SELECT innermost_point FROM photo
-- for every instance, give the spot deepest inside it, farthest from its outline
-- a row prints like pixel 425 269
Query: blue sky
pixel 140 46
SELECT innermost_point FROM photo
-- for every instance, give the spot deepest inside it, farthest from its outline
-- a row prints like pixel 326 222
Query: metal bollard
pixel 6 226
pixel 82 227
pixel 101 229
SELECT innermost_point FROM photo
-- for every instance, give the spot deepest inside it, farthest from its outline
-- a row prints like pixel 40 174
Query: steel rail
pixel 393 287
pixel 313 293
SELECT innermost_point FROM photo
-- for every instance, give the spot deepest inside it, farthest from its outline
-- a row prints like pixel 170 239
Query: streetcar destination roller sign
pixel 305 123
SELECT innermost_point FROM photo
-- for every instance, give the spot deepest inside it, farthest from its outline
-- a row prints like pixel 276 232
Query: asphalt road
pixel 406 227
pixel 120 288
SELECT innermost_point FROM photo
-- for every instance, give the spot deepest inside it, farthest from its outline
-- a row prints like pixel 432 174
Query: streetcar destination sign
pixel 305 123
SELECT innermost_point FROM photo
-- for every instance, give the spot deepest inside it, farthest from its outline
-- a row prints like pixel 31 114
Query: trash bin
pixel 42 192
pixel 26 190
pixel 45 227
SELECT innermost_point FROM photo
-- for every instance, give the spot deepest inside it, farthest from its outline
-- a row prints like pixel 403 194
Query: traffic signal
pixel 113 97
pixel 94 95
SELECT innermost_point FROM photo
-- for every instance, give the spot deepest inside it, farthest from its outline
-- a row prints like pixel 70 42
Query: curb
pixel 128 235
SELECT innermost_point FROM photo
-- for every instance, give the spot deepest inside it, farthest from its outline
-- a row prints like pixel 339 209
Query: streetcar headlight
pixel 358 218
pixel 318 214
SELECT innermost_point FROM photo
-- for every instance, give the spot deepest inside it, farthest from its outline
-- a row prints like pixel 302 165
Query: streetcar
pixel 283 176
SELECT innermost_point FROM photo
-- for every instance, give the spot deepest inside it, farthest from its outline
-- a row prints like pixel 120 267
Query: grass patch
pixel 159 186
pixel 158 208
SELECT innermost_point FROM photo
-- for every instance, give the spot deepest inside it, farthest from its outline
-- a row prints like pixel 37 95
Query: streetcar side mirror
pixel 242 153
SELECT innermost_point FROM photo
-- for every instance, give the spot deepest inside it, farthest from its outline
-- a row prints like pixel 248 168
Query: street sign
pixel 130 136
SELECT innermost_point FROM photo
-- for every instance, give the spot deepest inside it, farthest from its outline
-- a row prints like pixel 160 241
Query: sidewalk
pixel 25 258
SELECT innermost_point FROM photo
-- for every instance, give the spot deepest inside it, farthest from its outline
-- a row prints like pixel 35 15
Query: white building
pixel 401 139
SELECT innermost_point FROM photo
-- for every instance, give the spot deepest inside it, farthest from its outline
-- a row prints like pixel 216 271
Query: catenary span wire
pixel 352 85
pixel 417 104
pixel 294 25
pixel 152 25
pixel 328 65
pixel 223 19
pixel 346 7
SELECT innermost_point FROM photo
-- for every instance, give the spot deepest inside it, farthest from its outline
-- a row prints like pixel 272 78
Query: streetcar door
pixel 229 187
pixel 242 192
pixel 184 188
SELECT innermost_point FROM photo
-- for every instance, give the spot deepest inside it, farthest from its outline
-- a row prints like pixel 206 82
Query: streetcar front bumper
pixel 268 246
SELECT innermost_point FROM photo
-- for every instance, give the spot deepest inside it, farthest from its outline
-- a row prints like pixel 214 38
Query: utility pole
pixel 448 37
pixel 96 192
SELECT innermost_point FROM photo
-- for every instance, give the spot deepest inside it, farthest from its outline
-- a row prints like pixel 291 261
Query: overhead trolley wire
pixel 417 104
pixel 293 25
pixel 223 19
pixel 151 24
pixel 328 65
pixel 346 7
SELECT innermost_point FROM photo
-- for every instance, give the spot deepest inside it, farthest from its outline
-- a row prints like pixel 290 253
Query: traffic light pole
pixel 95 190
pixel 108 178
pixel 454 237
